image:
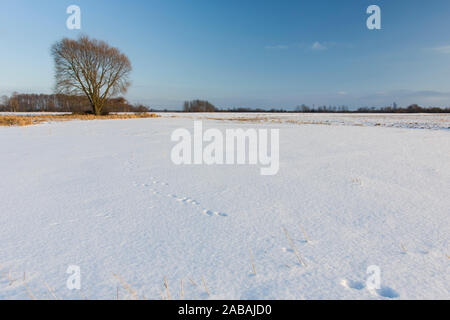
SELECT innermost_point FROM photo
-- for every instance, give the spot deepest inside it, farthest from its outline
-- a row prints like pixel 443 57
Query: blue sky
pixel 245 53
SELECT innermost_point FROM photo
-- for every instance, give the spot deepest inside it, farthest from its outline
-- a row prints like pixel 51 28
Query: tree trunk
pixel 97 108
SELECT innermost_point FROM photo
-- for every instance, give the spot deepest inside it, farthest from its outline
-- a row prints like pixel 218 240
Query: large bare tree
pixel 91 67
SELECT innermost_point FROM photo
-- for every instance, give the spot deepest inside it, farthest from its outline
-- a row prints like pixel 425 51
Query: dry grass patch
pixel 243 119
pixel 8 121
pixel 31 120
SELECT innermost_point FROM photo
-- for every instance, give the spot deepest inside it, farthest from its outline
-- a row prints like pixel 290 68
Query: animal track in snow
pixel 101 215
pixel 185 200
pixel 181 199
pixel 384 292
pixel 355 285
pixel 154 181
pixel 387 292
pixel 215 213
pixel 188 201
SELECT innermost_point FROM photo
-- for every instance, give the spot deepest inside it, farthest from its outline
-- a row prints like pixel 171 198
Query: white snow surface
pixel 105 196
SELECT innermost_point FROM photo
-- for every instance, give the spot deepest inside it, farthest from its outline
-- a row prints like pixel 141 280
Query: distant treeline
pixel 205 106
pixel 20 102
pixel 23 102
pixel 414 108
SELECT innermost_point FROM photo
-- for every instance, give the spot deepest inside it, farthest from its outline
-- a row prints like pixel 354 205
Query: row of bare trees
pixel 22 102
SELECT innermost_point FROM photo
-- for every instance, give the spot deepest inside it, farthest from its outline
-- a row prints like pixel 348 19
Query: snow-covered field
pixel 361 191
pixel 417 121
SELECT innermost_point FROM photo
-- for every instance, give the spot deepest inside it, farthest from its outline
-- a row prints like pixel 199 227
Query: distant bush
pixel 199 106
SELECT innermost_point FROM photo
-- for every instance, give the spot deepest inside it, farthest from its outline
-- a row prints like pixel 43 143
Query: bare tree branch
pixel 90 67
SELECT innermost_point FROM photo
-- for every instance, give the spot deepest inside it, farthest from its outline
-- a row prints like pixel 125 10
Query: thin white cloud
pixel 317 46
pixel 277 47
pixel 442 49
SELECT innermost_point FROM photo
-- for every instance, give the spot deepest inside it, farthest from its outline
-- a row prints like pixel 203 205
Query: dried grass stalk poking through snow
pixel 28 292
pixel 193 282
pixel 252 261
pixel 52 292
pixel 10 278
pixel 126 286
pixel 300 260
pixel 206 288
pixel 167 288
pixel 182 291
pixel 306 236
pixel 403 248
